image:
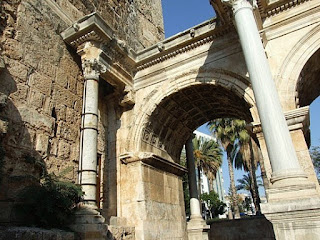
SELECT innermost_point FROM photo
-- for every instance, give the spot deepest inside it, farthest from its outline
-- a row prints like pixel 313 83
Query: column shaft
pixel 279 144
pixel 194 201
pixel 89 134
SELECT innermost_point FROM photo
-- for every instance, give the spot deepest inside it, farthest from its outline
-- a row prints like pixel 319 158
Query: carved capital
pixel 240 4
pixel 92 69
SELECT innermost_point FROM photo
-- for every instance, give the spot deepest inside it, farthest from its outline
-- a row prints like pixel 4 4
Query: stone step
pixel 91 231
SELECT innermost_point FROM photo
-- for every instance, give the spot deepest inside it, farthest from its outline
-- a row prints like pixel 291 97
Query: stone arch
pixel 166 108
pixel 289 73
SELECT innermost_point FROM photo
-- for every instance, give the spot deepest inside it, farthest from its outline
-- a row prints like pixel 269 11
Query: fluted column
pixel 281 152
pixel 194 201
pixel 89 132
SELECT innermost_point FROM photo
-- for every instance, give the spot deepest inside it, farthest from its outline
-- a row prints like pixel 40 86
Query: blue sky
pixel 180 15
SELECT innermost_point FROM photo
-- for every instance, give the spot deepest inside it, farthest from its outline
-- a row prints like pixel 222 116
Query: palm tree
pixel 230 131
pixel 247 156
pixel 208 158
pixel 246 184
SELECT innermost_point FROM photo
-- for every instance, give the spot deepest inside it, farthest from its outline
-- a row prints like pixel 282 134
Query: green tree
pixel 247 156
pixel 230 131
pixel 214 204
pixel 246 184
pixel 315 156
pixel 208 158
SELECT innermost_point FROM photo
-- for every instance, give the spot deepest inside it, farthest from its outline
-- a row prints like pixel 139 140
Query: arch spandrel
pixel 171 112
pixel 289 73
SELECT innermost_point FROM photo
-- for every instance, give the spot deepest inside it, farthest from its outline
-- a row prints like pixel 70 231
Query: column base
pixel 293 185
pixel 294 219
pixel 89 224
pixel 197 229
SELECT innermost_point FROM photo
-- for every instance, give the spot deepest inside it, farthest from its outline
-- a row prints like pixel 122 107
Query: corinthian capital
pixel 92 69
pixel 239 4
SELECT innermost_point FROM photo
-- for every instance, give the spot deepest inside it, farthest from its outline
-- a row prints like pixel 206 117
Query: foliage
pixel 245 183
pixel 49 204
pixel 214 204
pixel 315 156
pixel 208 156
pixel 230 131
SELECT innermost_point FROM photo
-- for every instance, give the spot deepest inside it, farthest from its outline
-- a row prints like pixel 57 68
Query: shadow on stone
pixel 256 227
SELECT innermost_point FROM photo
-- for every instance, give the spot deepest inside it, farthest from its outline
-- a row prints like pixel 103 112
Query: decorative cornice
pixel 173 53
pixel 281 6
pixel 90 36
pixel 297 118
pixel 90 27
pixel 114 53
pixel 154 160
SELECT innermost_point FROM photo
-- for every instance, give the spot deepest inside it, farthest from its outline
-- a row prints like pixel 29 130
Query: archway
pixel 186 103
pixel 308 92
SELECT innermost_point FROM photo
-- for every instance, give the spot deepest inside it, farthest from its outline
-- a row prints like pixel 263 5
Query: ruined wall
pixel 138 22
pixel 41 85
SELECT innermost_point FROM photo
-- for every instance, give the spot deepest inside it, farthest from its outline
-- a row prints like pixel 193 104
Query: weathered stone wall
pixel 139 22
pixel 41 86
pixel 44 86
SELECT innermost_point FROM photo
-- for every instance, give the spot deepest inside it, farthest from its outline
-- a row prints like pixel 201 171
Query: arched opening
pixel 308 86
pixel 308 91
pixel 180 113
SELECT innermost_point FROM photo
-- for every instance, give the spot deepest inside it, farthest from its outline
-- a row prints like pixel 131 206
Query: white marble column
pixel 193 191
pixel 281 152
pixel 89 132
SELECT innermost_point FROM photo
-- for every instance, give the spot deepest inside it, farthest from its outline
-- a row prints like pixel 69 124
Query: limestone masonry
pixel 91 90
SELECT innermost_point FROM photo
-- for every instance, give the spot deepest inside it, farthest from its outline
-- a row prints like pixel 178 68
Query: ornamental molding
pixel 153 160
pixel 296 119
pixel 281 6
pixel 171 53
pixel 92 68
pixel 117 58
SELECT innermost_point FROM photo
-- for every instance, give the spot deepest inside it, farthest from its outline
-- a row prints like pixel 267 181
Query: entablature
pixel 115 55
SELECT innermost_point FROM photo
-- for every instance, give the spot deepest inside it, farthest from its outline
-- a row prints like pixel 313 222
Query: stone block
pixel 21 94
pixel 64 96
pixel 71 115
pixel 63 149
pixel 35 119
pixel 61 111
pixel 41 82
pixel 80 87
pixel 17 69
pixel 47 69
pixel 35 98
pixel 72 84
pixel 42 142
pixel 13 49
pixel 54 146
pixel 62 78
